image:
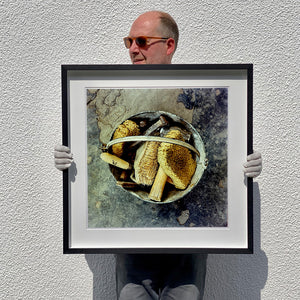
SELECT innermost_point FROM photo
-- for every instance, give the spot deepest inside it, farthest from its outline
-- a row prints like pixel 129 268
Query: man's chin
pixel 139 62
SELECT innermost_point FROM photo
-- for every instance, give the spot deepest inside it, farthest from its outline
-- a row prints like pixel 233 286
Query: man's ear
pixel 170 46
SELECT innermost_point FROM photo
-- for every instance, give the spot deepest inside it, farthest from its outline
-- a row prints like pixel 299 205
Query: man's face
pixel 157 51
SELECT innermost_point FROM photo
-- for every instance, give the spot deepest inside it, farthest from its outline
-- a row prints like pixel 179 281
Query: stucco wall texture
pixel 36 37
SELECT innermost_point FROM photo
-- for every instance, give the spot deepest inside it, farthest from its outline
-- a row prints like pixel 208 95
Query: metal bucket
pixel 171 194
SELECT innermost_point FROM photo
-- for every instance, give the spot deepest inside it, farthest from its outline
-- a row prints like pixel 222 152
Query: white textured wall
pixel 38 36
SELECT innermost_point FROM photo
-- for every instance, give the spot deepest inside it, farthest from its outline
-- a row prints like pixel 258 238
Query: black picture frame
pixel 237 80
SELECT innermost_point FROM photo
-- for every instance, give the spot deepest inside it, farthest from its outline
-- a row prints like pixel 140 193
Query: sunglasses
pixel 141 41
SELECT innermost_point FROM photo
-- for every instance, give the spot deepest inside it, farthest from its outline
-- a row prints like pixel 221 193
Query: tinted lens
pixel 141 41
pixel 128 42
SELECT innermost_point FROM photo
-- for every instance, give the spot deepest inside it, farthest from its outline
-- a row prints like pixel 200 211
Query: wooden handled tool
pixel 127 184
pixel 115 161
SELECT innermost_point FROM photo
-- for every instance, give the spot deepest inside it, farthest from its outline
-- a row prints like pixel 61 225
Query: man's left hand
pixel 253 166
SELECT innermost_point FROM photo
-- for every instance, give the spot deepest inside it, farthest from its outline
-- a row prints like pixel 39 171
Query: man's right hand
pixel 63 157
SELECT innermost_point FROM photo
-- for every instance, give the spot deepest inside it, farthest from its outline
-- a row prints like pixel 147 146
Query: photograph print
pixel 150 182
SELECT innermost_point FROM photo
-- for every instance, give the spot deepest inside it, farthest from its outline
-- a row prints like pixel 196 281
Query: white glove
pixel 253 166
pixel 63 157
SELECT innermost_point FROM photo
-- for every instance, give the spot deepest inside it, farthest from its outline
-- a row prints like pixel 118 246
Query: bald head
pixel 157 51
pixel 166 25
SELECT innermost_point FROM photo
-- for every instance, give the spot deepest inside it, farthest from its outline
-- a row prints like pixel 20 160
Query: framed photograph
pixel 158 158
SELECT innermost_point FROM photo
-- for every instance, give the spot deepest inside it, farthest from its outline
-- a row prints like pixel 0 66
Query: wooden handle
pixel 127 184
pixel 158 185
pixel 115 161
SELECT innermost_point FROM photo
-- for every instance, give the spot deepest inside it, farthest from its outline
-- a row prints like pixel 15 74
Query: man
pixel 153 39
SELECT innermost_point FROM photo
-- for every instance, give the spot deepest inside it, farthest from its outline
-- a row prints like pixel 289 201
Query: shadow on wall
pixel 239 276
pixel 104 279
